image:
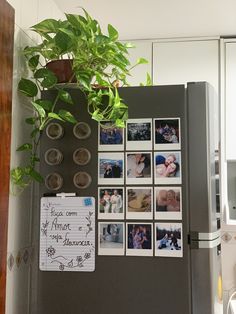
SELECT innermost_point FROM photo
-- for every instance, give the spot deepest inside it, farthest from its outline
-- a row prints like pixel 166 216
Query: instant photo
pixel 139 203
pixel 139 134
pixel 138 168
pixel 111 238
pixel 110 137
pixel 110 203
pixel 168 239
pixel 139 239
pixel 110 168
pixel 168 203
pixel 167 167
pixel 167 134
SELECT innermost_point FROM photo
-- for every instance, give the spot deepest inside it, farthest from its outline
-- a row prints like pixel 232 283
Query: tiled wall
pixel 20 250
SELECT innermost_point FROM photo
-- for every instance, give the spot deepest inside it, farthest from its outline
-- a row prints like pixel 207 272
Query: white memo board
pixel 67 234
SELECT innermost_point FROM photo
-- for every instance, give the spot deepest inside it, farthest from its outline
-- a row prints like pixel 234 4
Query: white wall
pixel 20 250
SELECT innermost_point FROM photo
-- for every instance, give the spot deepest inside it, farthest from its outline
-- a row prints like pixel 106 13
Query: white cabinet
pixel 182 61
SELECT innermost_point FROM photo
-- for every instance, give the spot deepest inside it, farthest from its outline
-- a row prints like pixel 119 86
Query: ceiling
pixel 160 18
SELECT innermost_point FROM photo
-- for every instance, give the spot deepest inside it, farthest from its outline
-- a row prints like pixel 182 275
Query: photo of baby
pixel 111 238
pixel 167 134
pixel 139 203
pixel 139 239
pixel 139 134
pixel 110 137
pixel 168 203
pixel 110 203
pixel 167 168
pixel 168 239
pixel 138 168
pixel 110 168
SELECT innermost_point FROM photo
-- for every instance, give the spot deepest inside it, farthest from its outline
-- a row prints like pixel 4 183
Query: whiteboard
pixel 67 234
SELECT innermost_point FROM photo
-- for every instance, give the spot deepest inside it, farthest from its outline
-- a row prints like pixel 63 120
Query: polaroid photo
pixel 139 134
pixel 110 168
pixel 139 239
pixel 169 239
pixel 110 203
pixel 139 168
pixel 167 134
pixel 168 203
pixel 167 167
pixel 111 238
pixel 110 137
pixel 139 202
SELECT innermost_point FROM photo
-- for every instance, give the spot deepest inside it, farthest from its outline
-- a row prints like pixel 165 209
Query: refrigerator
pixel 144 284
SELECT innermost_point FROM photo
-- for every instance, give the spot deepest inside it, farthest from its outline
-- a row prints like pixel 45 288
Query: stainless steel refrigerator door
pixel 201 162
pixel 206 277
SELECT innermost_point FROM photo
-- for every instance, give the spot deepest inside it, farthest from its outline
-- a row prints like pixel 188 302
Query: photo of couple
pixel 139 239
pixel 138 168
pixel 167 168
pixel 110 203
pixel 168 239
pixel 167 133
pixel 110 137
pixel 110 168
pixel 168 203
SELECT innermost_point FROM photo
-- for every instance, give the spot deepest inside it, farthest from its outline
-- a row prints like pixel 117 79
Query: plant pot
pixel 63 70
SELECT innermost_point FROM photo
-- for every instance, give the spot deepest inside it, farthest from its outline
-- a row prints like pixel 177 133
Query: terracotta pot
pixel 63 70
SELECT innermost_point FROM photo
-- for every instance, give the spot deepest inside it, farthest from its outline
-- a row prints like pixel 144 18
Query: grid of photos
pixel 140 192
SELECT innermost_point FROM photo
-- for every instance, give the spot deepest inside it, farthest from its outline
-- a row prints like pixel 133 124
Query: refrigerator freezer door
pixel 201 160
pixel 206 277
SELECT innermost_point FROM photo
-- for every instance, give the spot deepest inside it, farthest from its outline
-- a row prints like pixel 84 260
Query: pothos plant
pixel 98 62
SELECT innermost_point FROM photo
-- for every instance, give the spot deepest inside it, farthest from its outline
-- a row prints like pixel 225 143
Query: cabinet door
pixel 143 48
pixel 230 99
pixel 179 62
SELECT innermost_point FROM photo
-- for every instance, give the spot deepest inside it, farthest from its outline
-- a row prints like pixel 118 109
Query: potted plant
pixel 97 63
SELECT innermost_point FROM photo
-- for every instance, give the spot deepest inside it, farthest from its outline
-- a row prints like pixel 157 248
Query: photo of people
pixel 110 168
pixel 167 134
pixel 110 137
pixel 139 204
pixel 110 203
pixel 138 168
pixel 139 239
pixel 139 134
pixel 111 238
pixel 168 203
pixel 168 239
pixel 167 167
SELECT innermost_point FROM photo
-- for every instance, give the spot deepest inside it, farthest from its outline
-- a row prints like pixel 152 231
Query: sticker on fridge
pixel 168 239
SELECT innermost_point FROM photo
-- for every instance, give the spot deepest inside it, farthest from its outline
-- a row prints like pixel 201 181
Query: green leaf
pixel 33 62
pixel 53 115
pixel 113 34
pixel 129 45
pixel 26 146
pixel 47 26
pixel 65 96
pixel 28 88
pixel 142 61
pixel 67 116
pixel 39 109
pixel 36 176
pixel 17 177
pixel 30 120
pixel 148 80
pixel 97 116
pixel 49 78
pixel 34 132
pixel 63 41
pixel 120 123
pixel 45 104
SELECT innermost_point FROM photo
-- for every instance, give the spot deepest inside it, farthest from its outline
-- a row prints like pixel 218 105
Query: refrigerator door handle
pixel 201 236
pixel 194 245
